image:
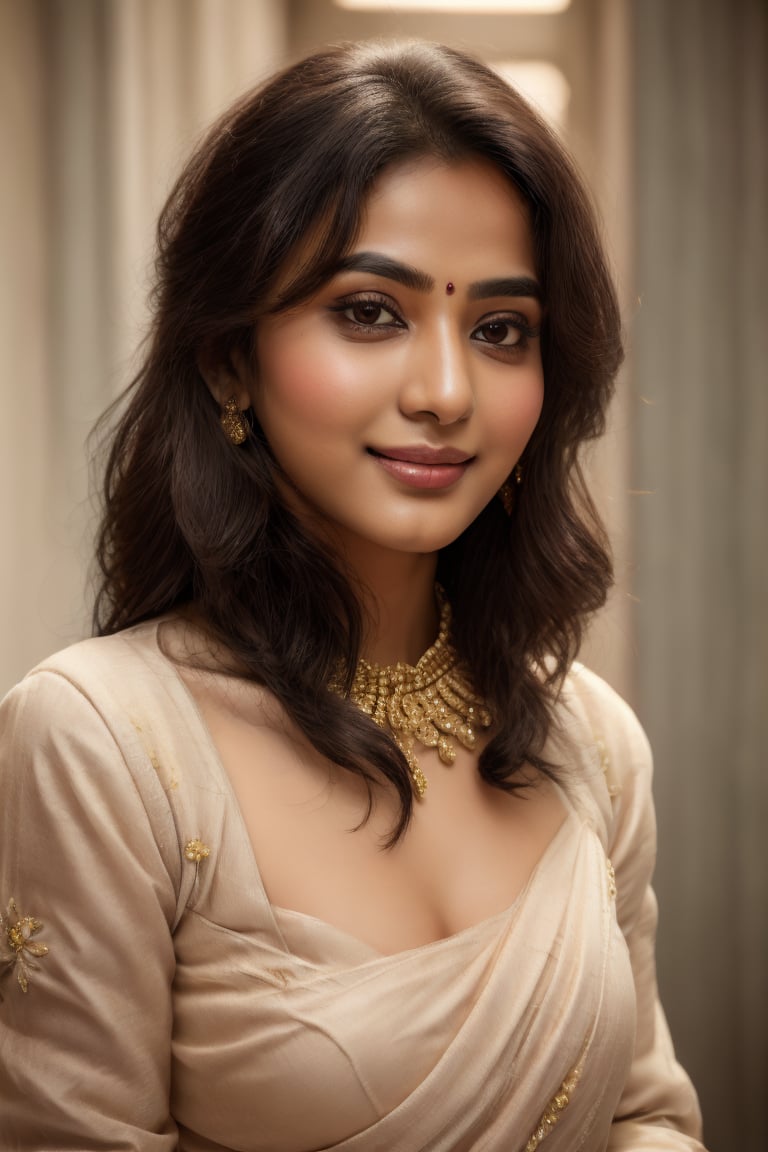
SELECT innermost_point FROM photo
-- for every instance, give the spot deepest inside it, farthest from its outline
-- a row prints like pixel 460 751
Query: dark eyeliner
pixel 365 298
pixel 514 321
pixel 381 301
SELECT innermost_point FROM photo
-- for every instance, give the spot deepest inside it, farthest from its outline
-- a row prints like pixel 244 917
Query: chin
pixel 421 542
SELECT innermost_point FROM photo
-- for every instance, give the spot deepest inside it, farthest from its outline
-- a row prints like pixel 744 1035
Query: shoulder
pixel 74 753
pixel 77 690
pixel 105 675
pixel 589 702
pixel 83 663
pixel 81 688
pixel 73 716
pixel 599 741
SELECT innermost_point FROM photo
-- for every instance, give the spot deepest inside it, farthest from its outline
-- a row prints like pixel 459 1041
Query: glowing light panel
pixel 541 83
pixel 470 6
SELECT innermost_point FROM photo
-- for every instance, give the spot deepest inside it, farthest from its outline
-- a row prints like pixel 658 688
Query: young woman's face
pixel 398 399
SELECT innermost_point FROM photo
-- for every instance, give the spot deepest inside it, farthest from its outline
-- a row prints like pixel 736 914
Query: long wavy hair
pixel 190 521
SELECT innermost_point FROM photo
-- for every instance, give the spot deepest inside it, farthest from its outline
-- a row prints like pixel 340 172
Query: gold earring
pixel 507 497
pixel 507 492
pixel 233 422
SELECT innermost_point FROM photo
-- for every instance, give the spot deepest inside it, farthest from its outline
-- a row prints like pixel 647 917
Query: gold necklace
pixel 431 704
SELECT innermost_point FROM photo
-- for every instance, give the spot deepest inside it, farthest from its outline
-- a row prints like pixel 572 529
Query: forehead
pixel 452 220
pixel 434 211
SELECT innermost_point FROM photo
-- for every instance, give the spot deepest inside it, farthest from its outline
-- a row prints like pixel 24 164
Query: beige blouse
pixel 155 1000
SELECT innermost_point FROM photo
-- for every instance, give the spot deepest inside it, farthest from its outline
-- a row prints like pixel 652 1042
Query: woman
pixel 324 842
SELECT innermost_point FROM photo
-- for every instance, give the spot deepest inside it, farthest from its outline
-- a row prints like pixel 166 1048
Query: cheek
pixel 516 413
pixel 306 380
pixel 534 402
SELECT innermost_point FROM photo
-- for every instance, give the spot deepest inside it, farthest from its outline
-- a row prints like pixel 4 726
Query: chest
pixel 291 1033
pixel 467 854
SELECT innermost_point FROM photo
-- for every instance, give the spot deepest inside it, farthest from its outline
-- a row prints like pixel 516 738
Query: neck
pixel 398 594
pixel 396 590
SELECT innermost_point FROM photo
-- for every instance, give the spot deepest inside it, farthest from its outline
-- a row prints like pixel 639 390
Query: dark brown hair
pixel 190 520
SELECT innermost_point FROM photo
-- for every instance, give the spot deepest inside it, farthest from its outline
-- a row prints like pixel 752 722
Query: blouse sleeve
pixel 86 953
pixel 658 1109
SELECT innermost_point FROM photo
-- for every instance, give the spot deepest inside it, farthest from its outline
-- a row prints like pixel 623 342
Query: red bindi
pixel 450 288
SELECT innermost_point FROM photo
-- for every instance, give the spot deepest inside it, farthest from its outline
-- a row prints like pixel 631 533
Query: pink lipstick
pixel 420 466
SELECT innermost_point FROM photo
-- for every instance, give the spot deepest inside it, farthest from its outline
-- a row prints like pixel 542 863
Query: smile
pixel 420 466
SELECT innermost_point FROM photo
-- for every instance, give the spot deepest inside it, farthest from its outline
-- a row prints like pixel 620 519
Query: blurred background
pixel 664 103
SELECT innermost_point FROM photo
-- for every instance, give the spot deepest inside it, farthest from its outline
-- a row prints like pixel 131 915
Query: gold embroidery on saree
pixel 557 1105
pixel 605 767
pixel 196 851
pixel 172 781
pixel 19 951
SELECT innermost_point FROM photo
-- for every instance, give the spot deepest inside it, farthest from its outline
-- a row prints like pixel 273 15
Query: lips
pixel 419 466
pixel 423 454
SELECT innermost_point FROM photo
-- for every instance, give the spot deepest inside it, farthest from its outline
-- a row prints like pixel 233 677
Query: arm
pixel 85 1050
pixel 658 1109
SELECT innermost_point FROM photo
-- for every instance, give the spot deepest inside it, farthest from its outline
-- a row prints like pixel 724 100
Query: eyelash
pixel 510 320
pixel 377 301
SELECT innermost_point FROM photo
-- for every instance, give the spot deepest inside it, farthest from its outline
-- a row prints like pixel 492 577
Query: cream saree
pixel 176 1008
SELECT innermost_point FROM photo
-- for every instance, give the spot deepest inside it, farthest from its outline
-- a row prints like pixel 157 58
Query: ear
pixel 226 375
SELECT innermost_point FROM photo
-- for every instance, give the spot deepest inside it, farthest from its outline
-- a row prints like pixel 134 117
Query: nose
pixel 438 383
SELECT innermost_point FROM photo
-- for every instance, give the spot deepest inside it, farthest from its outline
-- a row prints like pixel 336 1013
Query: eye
pixel 367 314
pixel 505 332
pixel 497 332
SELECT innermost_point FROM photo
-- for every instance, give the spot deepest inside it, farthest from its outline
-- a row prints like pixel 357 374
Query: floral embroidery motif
pixel 605 767
pixel 168 784
pixel 557 1105
pixel 280 975
pixel 19 950
pixel 196 850
pixel 611 879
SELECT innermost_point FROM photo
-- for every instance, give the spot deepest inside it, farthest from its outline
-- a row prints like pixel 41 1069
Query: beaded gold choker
pixel 431 704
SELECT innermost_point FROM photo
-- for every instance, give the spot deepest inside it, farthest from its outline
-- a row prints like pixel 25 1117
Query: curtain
pixel 102 100
pixel 700 446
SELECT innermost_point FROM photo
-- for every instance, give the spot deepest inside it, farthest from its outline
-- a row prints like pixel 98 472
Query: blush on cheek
pixel 536 405
pixel 300 385
pixel 523 415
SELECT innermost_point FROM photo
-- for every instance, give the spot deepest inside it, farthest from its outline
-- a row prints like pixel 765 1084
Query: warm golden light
pixel 470 6
pixel 540 82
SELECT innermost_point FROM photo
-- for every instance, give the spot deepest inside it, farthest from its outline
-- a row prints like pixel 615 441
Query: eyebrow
pixel 379 265
pixel 505 286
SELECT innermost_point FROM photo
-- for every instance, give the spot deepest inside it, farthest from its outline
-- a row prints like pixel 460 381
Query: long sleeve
pixel 658 1109
pixel 85 1049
